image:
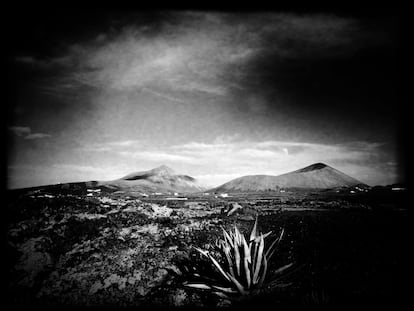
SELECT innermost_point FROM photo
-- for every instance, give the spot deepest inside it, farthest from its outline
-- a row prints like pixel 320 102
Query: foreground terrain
pixel 115 249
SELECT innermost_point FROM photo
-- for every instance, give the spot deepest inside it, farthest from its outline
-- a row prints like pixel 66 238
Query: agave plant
pixel 244 263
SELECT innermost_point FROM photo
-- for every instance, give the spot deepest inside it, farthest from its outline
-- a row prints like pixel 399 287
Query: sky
pixel 212 94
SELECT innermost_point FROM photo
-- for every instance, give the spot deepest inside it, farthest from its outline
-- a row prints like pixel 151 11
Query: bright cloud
pixel 157 156
pixel 37 136
pixel 216 163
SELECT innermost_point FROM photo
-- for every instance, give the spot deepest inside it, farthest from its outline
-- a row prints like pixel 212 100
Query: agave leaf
pixel 259 260
pixel 266 234
pixel 201 251
pixel 226 243
pixel 227 237
pixel 234 236
pixel 221 295
pixel 222 244
pixel 270 251
pixel 268 256
pixel 281 233
pixel 247 251
pixel 277 284
pixel 238 285
pixel 246 263
pixel 254 258
pixel 198 286
pixel 281 269
pixel 237 259
pixel 241 236
pixel 231 234
pixel 247 272
pixel 218 267
pixel 225 289
pixel 225 248
pixel 257 239
pixel 253 234
pixel 228 256
pixel 238 236
pixel 262 277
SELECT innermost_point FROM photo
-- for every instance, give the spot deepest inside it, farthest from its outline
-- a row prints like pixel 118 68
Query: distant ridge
pixel 315 176
pixel 160 179
pixel 162 170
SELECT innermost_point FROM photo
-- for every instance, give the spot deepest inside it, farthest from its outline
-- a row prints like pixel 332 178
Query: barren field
pixel 117 250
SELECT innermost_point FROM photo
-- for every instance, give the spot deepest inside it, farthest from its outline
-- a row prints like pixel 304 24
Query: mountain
pixel 161 179
pixel 315 176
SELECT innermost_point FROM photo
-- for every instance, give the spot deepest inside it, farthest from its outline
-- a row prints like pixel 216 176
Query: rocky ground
pixel 91 251
pixel 115 250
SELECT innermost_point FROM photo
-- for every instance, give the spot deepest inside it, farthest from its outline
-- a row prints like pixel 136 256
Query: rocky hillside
pixel 161 179
pixel 315 176
pixel 75 250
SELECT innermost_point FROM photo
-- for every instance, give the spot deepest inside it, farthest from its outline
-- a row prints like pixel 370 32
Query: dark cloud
pixel 20 130
pixel 326 69
pixel 26 132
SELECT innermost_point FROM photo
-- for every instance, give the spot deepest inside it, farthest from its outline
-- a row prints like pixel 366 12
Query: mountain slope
pixel 161 179
pixel 316 176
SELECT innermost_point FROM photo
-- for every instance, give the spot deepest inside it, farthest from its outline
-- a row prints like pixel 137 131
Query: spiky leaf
pixel 221 295
pixel 201 251
pixel 237 259
pixel 270 251
pixel 253 234
pixel 262 277
pixel 198 285
pixel 228 290
pixel 217 265
pixel 281 269
pixel 238 285
pixel 259 260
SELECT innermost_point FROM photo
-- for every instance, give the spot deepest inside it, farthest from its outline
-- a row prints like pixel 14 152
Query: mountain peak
pixel 163 170
pixel 160 179
pixel 315 176
pixel 312 167
pixel 160 171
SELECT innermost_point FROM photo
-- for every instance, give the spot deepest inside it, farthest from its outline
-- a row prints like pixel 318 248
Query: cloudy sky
pixel 215 95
